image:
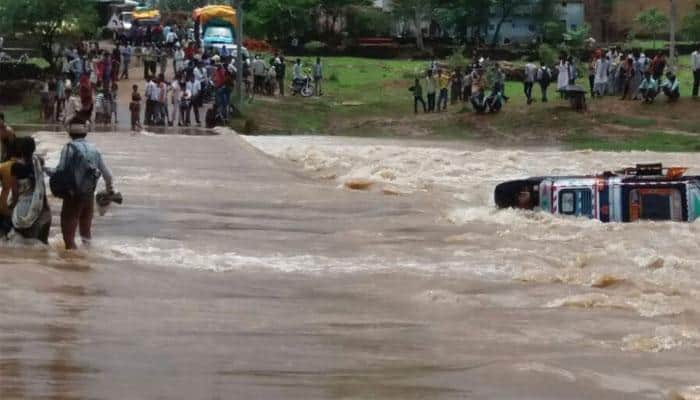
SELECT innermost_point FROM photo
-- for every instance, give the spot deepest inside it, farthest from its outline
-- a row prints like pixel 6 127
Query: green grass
pixel 649 44
pixel 39 62
pixel 19 114
pixel 632 122
pixel 369 97
pixel 655 141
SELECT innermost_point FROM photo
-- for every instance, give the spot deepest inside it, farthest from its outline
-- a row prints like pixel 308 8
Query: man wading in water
pixel 82 163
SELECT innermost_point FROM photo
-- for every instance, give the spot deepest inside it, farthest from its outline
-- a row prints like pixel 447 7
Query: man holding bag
pixel 75 180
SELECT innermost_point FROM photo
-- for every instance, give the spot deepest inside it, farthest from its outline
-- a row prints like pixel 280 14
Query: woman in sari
pixel 31 217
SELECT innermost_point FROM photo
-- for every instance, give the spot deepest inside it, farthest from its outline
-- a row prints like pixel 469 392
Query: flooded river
pixel 255 268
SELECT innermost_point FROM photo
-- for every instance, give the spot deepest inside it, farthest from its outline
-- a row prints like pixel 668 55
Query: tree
pixel 416 12
pixel 504 9
pixel 333 9
pixel 691 26
pixel 465 19
pixel 49 20
pixel 673 24
pixel 277 19
pixel 184 5
pixel 653 22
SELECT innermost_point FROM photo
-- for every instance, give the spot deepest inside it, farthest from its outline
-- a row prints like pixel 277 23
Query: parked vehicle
pixel 645 192
pixel 215 29
pixel 302 87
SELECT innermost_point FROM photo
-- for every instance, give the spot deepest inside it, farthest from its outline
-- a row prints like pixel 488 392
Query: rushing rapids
pixel 310 267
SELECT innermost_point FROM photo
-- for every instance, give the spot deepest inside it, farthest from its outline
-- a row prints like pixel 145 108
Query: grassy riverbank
pixel 365 97
pixel 19 114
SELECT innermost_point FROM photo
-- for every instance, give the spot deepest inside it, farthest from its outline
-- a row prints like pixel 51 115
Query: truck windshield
pixel 219 33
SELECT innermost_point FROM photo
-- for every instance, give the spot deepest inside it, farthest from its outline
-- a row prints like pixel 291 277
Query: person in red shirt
pixel 189 51
pixel 219 76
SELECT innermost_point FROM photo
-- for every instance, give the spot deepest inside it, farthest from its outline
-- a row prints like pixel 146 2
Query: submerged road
pixel 229 273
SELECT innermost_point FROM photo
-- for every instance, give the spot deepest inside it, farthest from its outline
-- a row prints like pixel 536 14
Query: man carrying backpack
pixel 75 181
pixel 544 78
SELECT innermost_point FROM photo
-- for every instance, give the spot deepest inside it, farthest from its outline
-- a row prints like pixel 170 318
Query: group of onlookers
pixel 442 87
pixel 632 76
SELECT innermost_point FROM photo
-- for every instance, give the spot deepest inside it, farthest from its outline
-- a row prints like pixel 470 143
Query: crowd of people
pixel 630 76
pixel 442 87
pixel 180 81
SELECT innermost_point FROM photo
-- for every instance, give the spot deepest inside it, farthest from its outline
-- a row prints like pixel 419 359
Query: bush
pixel 10 71
pixel 257 46
pixel 315 46
pixel 547 54
pixel 457 59
pixel 553 33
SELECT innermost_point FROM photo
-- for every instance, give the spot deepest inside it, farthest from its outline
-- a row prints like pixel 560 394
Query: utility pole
pixel 672 25
pixel 238 6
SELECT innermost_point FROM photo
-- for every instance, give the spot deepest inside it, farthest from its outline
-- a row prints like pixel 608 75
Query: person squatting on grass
pixel 649 88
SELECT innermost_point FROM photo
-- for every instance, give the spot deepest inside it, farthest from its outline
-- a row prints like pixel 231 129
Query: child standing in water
pixel 135 109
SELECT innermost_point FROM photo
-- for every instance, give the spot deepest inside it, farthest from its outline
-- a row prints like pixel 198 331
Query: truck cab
pixel 216 36
pixel 215 29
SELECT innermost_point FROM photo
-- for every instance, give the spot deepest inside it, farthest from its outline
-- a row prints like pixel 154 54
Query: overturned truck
pixel 645 192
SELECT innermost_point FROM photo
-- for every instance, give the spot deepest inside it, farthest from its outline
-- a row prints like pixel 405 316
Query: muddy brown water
pixel 245 268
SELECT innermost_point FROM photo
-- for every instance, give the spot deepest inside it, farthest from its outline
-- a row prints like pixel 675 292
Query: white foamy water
pixel 652 268
pixel 257 270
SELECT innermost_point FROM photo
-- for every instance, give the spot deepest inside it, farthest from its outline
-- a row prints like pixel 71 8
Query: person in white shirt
pixel 152 95
pixel 194 87
pixel 297 71
pixel 529 80
pixel 600 81
pixel 563 77
pixel 198 74
pixel 171 38
pixel 73 106
pixel 258 67
pixel 175 95
pixel 127 52
pixel 179 59
pixel 695 66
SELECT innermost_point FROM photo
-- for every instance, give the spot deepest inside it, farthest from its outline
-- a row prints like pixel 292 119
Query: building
pixel 612 21
pixel 523 27
pixel 383 4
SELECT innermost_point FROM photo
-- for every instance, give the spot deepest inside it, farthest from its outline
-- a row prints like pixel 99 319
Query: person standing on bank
pixel 417 90
pixel 318 77
pixel 281 69
pixel 529 80
pixel 83 163
pixel 544 78
pixel 695 66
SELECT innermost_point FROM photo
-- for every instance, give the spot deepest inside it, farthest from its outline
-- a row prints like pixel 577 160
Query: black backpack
pixel 77 178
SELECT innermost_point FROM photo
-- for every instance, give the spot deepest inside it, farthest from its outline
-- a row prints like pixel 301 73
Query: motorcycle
pixel 303 87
